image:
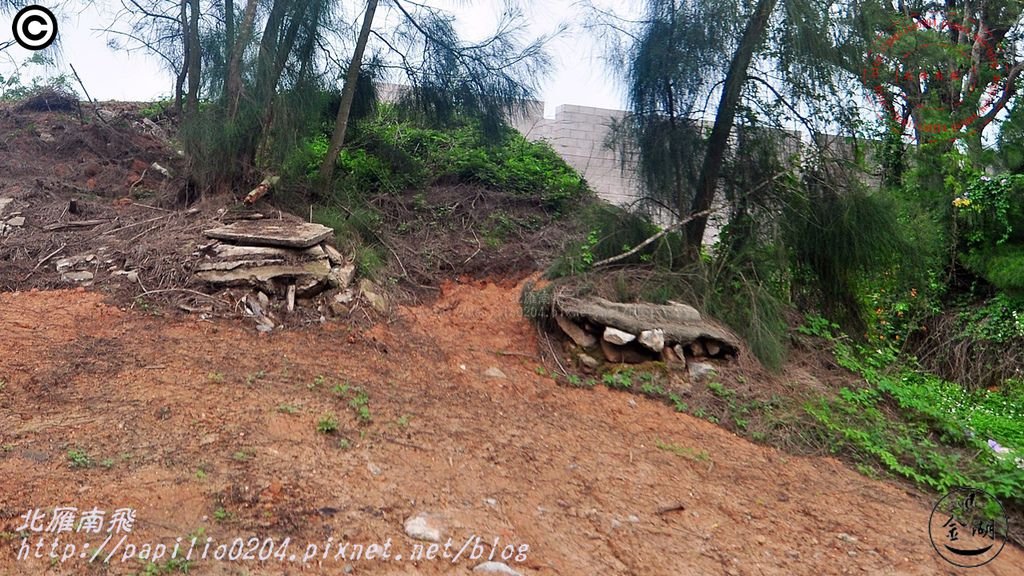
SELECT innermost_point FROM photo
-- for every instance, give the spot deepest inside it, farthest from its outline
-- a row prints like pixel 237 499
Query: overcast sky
pixel 579 75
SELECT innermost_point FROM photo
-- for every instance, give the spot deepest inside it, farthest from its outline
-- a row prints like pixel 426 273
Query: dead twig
pixel 77 224
pixel 151 207
pixel 95 108
pixel 126 227
pixel 185 290
pixel 44 261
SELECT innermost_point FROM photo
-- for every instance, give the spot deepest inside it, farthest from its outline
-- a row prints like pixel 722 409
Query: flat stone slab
pixel 240 264
pixel 272 233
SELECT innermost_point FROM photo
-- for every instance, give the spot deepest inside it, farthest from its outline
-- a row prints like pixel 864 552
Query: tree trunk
pixel 718 143
pixel 229 29
pixel 233 83
pixel 348 94
pixel 195 60
pixel 182 74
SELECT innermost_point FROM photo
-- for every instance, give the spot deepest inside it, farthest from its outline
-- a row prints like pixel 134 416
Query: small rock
pixel 424 526
pixel 342 276
pixel 46 137
pixel 669 356
pixel 495 373
pixel 495 568
pixel 700 370
pixel 16 222
pixel 581 337
pixel 264 299
pixel 588 361
pixel 345 297
pixel 155 166
pixel 84 276
pixel 713 348
pixel 374 469
pixel 333 255
pixel 633 519
pixel 653 340
pixel 760 539
pixel 616 336
pixel 372 295
pixel 697 349
pixel 4 202
pixel 491 502
pixel 847 538
pixel 679 352
pixel 132 276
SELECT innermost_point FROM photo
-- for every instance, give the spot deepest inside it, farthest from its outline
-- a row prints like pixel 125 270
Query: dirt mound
pixel 206 428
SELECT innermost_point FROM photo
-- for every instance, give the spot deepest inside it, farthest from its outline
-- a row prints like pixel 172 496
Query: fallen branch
pixel 652 239
pixel 77 224
pixel 261 190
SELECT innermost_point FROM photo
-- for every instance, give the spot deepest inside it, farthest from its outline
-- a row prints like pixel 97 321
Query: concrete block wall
pixel 580 135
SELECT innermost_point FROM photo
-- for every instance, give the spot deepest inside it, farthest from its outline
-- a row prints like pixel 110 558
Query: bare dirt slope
pixel 208 428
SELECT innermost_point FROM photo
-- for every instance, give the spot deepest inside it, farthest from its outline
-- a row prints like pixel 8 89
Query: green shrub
pixel 926 429
pixel 1000 265
pixel 389 153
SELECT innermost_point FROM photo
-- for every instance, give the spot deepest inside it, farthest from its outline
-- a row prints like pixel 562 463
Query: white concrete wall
pixel 580 134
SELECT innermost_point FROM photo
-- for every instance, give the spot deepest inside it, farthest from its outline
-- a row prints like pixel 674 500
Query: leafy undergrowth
pixel 423 203
pixel 918 426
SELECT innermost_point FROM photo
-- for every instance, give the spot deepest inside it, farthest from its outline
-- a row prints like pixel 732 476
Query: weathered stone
pixel 345 297
pixel 424 526
pixel 616 336
pixel 83 276
pixel 16 222
pixel 700 371
pixel 4 202
pixel 581 337
pixel 713 348
pixel 653 340
pixel 697 349
pixel 495 373
pixel 333 255
pixel 371 293
pixel 495 568
pixel 588 361
pixel 669 355
pixel 272 233
pixel 259 265
pixel 341 276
